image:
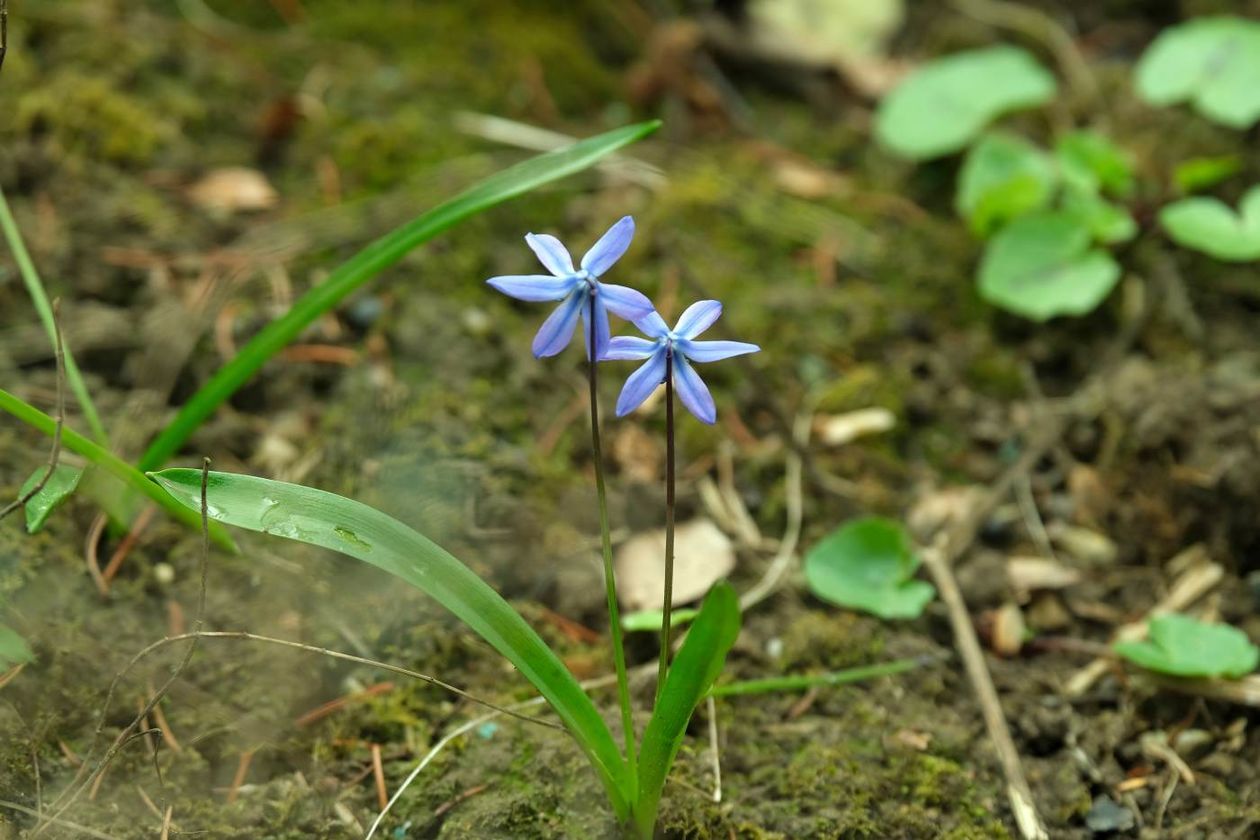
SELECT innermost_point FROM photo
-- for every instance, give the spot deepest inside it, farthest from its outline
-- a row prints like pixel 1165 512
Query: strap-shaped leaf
pixel 325 519
pixel 693 673
pixel 371 261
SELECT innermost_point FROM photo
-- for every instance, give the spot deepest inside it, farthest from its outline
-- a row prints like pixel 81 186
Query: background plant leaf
pixel 1203 173
pixel 868 564
pixel 13 649
pixel 1185 647
pixel 325 519
pixel 943 105
pixel 1106 222
pixel 60 485
pixel 1212 63
pixel 1042 265
pixel 692 674
pixel 1089 160
pixel 1003 177
pixel 1209 225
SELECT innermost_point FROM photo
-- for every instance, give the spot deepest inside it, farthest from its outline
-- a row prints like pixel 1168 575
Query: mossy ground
pixel 860 297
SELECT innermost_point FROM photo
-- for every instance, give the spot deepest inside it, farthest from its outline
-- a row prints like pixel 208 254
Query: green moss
pixel 90 118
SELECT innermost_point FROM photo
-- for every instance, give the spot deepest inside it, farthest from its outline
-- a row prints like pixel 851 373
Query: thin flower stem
pixel 668 602
pixel 610 582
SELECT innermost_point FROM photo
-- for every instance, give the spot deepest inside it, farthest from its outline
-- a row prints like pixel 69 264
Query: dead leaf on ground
pixel 840 429
pixel 1032 574
pixel 703 555
pixel 233 189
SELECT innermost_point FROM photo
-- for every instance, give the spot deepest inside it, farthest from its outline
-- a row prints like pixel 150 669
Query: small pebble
pixel 164 573
pixel 1106 817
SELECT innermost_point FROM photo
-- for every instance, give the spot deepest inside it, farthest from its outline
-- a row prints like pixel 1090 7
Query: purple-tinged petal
pixel 693 392
pixel 533 287
pixel 652 325
pixel 714 351
pixel 625 302
pixel 602 331
pixel 551 253
pixel 640 384
pixel 697 318
pixel 626 347
pixel 610 247
pixel 555 333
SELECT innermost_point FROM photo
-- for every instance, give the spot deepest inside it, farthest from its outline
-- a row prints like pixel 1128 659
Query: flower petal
pixel 602 332
pixel 693 392
pixel 640 384
pixel 713 351
pixel 652 325
pixel 610 247
pixel 555 333
pixel 533 287
pixel 626 347
pixel 697 318
pixel 625 302
pixel 551 253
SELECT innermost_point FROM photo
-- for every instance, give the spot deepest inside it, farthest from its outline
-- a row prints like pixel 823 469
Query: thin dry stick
pixel 73 792
pixel 714 753
pixel 1017 789
pixel 59 419
pixel 378 774
pixel 792 531
pixel 82 829
pixel 238 778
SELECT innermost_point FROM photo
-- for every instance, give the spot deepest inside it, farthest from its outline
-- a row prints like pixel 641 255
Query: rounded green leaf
pixel 1003 177
pixel 1107 222
pixel 944 104
pixel 1185 647
pixel 1203 173
pixel 13 649
pixel 1209 225
pixel 59 486
pixel 1043 265
pixel 868 564
pixel 1212 63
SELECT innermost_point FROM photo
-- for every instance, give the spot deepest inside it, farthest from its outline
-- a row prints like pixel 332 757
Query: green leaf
pixel 1041 266
pixel 1185 647
pixel 868 564
pixel 371 261
pixel 1107 222
pixel 944 104
pixel 63 481
pixel 1090 161
pixel 1209 225
pixel 1003 177
pixel 694 670
pixel 111 464
pixel 645 620
pixel 1213 63
pixel 324 519
pixel 1202 173
pixel 13 649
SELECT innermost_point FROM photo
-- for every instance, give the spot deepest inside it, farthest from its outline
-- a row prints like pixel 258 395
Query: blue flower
pixel 574 286
pixel 678 342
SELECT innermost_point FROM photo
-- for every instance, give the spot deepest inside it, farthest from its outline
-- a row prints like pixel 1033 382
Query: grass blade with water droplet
pixel 325 519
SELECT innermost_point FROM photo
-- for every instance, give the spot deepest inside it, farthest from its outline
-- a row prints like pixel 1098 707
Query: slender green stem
pixel 610 581
pixel 35 287
pixel 802 681
pixel 668 602
pixel 111 463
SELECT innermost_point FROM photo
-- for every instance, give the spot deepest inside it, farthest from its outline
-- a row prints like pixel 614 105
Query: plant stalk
pixel 668 602
pixel 610 581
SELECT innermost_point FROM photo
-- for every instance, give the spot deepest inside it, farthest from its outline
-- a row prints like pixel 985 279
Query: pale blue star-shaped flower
pixel 574 287
pixel 681 344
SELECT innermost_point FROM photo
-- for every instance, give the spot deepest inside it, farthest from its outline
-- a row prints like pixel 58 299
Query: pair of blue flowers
pixel 574 288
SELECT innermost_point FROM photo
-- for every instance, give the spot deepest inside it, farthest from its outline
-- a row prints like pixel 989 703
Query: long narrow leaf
pixel 35 288
pixel 325 519
pixel 111 464
pixel 695 668
pixel 370 262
